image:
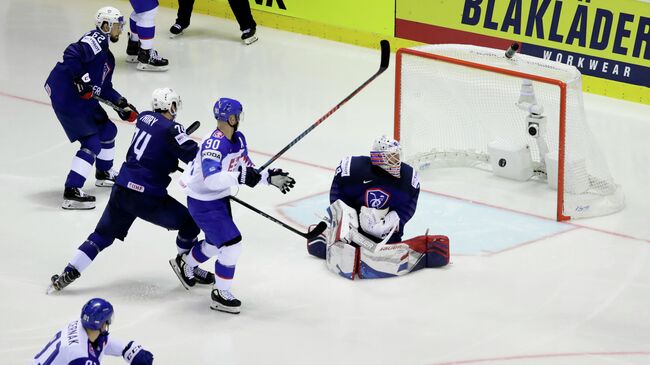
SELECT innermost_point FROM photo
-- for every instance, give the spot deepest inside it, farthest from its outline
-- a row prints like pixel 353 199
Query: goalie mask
pixel 386 153
pixel 111 16
pixel 166 99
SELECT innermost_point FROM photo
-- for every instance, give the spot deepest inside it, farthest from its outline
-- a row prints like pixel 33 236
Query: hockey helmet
pixel 96 313
pixel 109 15
pixel 387 154
pixel 164 99
pixel 226 107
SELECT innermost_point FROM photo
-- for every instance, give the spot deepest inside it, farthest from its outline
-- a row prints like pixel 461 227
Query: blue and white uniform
pixel 207 181
pixel 84 120
pixel 358 183
pixel 141 188
pixel 71 346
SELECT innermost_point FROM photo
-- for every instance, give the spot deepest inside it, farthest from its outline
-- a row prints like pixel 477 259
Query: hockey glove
pixel 249 176
pixel 84 88
pixel 281 180
pixel 128 112
pixel 134 354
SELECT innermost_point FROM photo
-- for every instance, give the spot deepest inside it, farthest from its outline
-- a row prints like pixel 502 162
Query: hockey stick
pixel 189 130
pixel 320 228
pixel 109 104
pixel 383 65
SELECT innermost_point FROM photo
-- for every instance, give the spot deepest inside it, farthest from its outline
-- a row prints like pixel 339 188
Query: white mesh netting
pixel 449 113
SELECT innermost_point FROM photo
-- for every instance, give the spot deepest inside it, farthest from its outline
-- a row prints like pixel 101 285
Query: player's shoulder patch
pixel 217 134
pixel 94 39
pixel 415 180
pixel 343 168
pixel 181 138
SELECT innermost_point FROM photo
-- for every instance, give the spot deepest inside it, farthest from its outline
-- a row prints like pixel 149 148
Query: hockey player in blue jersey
pixel 222 163
pixel 372 198
pixel 87 70
pixel 141 189
pixel 86 340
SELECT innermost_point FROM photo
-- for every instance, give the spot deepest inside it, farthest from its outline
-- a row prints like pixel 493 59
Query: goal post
pixel 521 118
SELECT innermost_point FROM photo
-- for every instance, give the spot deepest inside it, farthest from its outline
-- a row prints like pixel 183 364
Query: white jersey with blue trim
pixel 70 346
pixel 215 169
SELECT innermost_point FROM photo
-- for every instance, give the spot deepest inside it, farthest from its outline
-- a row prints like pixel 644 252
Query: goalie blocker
pixel 350 253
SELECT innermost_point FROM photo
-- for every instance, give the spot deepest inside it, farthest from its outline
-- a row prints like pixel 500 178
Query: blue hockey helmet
pixel 226 107
pixel 95 313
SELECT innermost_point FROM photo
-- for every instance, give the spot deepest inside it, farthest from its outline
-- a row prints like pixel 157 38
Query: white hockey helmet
pixel 166 99
pixel 109 15
pixel 387 154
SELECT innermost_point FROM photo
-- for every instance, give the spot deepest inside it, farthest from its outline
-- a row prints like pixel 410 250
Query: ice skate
pixel 224 301
pixel 132 49
pixel 105 178
pixel 183 271
pixel 248 36
pixel 176 30
pixel 74 198
pixel 69 274
pixel 149 60
pixel 203 277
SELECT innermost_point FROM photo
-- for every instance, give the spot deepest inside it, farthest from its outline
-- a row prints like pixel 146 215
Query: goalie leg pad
pixel 342 259
pixel 436 249
pixel 390 260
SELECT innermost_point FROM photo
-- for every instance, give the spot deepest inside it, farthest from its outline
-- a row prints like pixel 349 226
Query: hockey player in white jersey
pixel 222 163
pixel 85 341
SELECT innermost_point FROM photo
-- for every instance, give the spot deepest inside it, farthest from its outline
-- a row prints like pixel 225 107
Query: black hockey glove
pixel 127 112
pixel 281 180
pixel 249 176
pixel 84 88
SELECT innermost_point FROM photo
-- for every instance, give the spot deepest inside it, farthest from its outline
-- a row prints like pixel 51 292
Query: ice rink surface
pixel 521 288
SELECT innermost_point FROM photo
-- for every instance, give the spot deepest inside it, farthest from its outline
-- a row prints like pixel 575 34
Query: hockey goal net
pixel 470 106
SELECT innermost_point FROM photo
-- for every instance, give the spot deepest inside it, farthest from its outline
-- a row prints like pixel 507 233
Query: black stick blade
pixel 385 54
pixel 320 228
pixel 192 128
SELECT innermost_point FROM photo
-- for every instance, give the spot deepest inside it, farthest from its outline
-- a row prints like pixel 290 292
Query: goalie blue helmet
pixel 95 313
pixel 226 107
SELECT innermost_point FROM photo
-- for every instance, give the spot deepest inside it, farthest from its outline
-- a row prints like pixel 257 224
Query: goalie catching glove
pixel 280 180
pixel 378 222
pixel 127 112
pixel 134 354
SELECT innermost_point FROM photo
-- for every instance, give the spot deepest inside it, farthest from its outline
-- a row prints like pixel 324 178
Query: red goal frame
pixel 562 117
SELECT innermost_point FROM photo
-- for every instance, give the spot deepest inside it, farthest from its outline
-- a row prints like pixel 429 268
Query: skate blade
pixel 172 35
pixel 145 67
pixel 222 308
pixel 251 40
pixel 177 271
pixel 50 289
pixel 104 183
pixel 131 59
pixel 75 205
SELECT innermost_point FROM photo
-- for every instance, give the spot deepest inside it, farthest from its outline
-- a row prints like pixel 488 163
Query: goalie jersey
pixel 71 346
pixel 357 182
pixel 157 145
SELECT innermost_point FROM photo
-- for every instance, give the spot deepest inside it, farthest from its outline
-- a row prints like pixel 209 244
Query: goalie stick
pixel 320 228
pixel 383 65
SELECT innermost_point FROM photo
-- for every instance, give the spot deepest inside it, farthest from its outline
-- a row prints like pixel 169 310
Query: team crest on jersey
pixel 217 134
pixel 377 198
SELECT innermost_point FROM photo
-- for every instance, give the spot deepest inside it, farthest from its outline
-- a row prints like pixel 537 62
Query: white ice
pixel 578 296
